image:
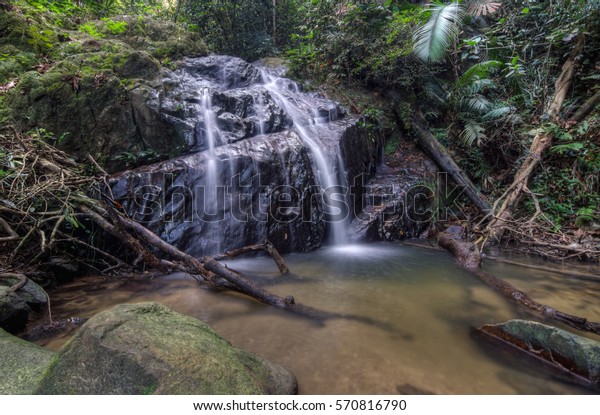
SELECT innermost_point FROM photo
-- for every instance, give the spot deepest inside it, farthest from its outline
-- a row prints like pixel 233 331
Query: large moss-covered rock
pixel 81 83
pixel 22 365
pixel 13 311
pixel 577 355
pixel 148 348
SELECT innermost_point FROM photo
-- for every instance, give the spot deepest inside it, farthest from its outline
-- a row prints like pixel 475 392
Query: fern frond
pixel 472 133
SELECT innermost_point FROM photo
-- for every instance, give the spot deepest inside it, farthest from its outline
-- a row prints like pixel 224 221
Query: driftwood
pixel 46 200
pixel 468 258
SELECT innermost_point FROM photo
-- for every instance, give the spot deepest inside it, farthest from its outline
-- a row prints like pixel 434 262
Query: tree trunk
pixel 443 159
pixel 177 10
pixel 274 37
pixel 586 108
pixel 541 142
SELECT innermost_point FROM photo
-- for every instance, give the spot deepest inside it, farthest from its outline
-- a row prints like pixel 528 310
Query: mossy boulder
pixel 22 365
pixel 89 104
pixel 565 351
pixel 80 81
pixel 162 39
pixel 14 312
pixel 147 348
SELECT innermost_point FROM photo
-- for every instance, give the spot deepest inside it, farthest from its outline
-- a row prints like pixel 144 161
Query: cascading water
pixel 209 200
pixel 271 162
pixel 307 128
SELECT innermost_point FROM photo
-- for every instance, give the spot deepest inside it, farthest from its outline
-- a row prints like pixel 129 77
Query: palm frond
pixel 477 103
pixel 431 41
pixel 499 112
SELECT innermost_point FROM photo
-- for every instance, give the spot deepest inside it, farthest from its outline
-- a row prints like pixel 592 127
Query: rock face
pixel 268 148
pixel 148 349
pixel 567 352
pixel 13 311
pixel 397 202
pixel 21 366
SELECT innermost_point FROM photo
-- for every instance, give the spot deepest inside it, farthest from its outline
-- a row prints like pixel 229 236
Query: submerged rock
pixel 21 366
pixel 13 311
pixel 147 348
pixel 576 355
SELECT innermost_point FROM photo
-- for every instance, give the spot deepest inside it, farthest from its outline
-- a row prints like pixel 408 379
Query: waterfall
pixel 287 94
pixel 269 161
pixel 209 199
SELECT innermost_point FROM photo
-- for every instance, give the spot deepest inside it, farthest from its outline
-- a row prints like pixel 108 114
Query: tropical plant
pixel 431 41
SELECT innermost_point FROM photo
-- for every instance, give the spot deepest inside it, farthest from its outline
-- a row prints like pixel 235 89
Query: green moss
pixel 22 364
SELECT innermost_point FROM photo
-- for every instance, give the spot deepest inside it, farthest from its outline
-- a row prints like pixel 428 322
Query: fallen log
pixel 468 258
pixel 567 354
pixel 444 160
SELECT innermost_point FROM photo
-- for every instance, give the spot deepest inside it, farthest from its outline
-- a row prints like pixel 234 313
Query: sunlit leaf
pixel 433 39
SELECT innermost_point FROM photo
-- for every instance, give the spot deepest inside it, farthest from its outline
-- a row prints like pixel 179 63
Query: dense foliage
pixel 481 71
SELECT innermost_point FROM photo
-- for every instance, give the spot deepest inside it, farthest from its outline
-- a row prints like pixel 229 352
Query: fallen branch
pixel 266 246
pixel 542 141
pixel 468 258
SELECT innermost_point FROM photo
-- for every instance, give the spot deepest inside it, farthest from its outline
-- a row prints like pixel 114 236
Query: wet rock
pixel 21 366
pixel 33 295
pixel 268 182
pixel 226 71
pixel 13 311
pixel 567 352
pixel 394 204
pixel 147 348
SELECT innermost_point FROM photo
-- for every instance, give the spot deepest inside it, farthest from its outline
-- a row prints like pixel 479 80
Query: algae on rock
pixel 148 348
pixel 22 365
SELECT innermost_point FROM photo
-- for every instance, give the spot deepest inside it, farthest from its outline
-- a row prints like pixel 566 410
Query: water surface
pixel 422 309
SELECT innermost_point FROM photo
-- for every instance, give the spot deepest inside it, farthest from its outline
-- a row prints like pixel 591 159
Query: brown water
pixel 423 305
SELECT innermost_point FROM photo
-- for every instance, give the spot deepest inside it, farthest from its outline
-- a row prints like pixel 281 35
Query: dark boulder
pixel 14 312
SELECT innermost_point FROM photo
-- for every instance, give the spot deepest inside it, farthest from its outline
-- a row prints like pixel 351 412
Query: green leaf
pixel 433 39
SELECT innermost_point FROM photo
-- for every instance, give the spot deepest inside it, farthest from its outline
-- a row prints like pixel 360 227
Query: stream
pixel 421 305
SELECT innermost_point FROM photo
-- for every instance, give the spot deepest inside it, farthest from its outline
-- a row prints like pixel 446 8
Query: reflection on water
pixel 424 304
